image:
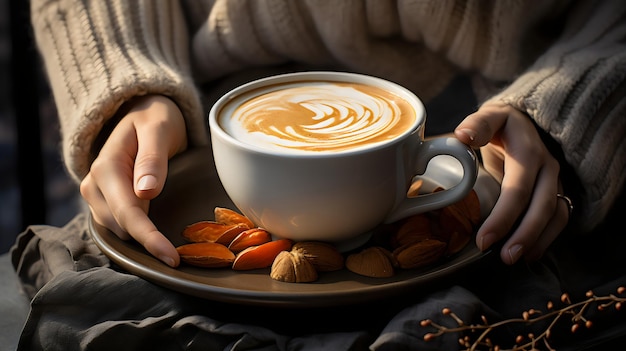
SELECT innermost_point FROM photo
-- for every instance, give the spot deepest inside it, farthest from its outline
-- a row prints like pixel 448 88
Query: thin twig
pixel 575 310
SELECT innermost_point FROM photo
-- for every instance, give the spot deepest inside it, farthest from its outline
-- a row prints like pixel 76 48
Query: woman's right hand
pixel 130 170
pixel 528 207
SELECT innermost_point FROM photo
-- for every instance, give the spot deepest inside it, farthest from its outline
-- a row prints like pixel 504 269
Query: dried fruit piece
pixel 413 229
pixel 228 216
pixel 260 256
pixel 420 254
pixel 373 262
pixel 293 267
pixel 323 256
pixel 250 237
pixel 210 231
pixel 206 254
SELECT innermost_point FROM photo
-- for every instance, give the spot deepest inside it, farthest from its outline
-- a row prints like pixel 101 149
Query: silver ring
pixel 568 201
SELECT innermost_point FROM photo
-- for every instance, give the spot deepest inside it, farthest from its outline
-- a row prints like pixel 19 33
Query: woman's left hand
pixel 528 207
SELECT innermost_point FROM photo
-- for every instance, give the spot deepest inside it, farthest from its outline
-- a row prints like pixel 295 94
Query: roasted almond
pixel 471 204
pixel 419 254
pixel 455 228
pixel 373 262
pixel 228 216
pixel 206 254
pixel 210 231
pixel 412 229
pixel 260 256
pixel 250 237
pixel 415 187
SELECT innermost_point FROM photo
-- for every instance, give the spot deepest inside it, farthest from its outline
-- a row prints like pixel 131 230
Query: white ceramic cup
pixel 336 195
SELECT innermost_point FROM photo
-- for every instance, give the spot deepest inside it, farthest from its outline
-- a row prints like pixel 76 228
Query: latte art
pixel 319 116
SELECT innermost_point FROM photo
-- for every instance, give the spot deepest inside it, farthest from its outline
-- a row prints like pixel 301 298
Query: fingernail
pixel 486 241
pixel 147 182
pixel 515 252
pixel 471 134
pixel 168 260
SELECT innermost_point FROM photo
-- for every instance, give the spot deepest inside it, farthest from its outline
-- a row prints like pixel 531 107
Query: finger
pixel 478 128
pixel 99 208
pixel 522 163
pixel 151 162
pixel 516 190
pixel 160 133
pixel 130 212
pixel 502 218
pixel 552 230
pixel 145 232
pixel 537 216
pixel 493 162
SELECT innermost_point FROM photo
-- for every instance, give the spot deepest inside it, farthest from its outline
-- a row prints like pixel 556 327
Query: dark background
pixel 39 190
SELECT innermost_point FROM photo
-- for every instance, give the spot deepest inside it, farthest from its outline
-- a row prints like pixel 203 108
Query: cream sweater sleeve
pixel 97 59
pixel 575 92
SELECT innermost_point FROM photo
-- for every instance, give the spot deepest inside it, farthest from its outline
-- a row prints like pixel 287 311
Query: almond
pixel 206 254
pixel 419 254
pixel 250 237
pixel 412 229
pixel 260 256
pixel 472 205
pixel 228 216
pixel 210 231
pixel 415 187
pixel 373 262
pixel 455 228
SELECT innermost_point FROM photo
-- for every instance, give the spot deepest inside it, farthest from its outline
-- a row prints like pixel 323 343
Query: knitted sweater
pixel 563 64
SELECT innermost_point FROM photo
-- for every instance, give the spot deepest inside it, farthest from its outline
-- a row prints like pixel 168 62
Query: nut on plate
pixel 419 254
pixel 211 231
pixel 293 267
pixel 323 256
pixel 228 216
pixel 250 237
pixel 206 254
pixel 455 228
pixel 412 229
pixel 260 256
pixel 374 261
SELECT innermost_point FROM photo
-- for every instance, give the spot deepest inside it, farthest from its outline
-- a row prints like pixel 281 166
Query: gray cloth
pixel 14 305
pixel 80 301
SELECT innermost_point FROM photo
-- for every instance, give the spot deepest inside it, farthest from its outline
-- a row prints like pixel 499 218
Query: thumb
pixel 150 174
pixel 161 134
pixel 478 128
pixel 151 161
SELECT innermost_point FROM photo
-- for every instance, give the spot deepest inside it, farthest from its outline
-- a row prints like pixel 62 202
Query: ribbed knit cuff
pixel 100 58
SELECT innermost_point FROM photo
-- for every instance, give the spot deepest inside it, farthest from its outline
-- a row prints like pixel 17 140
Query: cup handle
pixel 432 201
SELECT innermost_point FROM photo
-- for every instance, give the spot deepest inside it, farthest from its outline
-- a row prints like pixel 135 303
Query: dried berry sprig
pixel 530 342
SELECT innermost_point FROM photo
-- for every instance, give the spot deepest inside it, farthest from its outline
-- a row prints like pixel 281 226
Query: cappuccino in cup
pixel 328 156
pixel 317 116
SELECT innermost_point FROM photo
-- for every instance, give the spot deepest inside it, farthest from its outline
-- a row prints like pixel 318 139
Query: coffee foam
pixel 317 116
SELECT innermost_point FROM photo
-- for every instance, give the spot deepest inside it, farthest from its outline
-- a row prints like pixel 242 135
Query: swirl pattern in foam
pixel 318 116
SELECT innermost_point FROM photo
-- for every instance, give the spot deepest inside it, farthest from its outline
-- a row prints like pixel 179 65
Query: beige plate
pixel 192 192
